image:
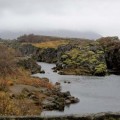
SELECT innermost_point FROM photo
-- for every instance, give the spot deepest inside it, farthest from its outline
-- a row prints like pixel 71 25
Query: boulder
pixel 42 71
pixel 29 64
pixel 45 79
pixel 57 83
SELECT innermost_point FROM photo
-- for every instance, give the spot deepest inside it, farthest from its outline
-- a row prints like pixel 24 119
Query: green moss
pixel 84 57
pixel 67 62
pixel 79 59
pixel 100 69
pixel 74 52
pixel 93 60
pixel 91 53
pixel 64 56
pixel 84 60
pixel 100 52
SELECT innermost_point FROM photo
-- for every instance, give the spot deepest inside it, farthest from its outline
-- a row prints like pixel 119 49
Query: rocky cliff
pixel 111 46
pixel 80 57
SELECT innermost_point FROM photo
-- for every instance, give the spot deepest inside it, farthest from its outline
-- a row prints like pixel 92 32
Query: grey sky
pixel 101 16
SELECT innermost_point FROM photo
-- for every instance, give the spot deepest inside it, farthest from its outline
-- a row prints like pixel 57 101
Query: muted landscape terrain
pixel 59 59
pixel 19 91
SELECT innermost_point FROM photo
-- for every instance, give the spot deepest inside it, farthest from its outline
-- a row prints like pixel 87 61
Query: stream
pixel 96 94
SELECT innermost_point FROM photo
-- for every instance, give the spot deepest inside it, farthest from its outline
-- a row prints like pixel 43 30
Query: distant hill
pixel 57 33
pixel 72 34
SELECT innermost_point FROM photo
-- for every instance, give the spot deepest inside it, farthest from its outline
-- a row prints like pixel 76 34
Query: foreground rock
pixel 52 99
pixel 57 100
pixel 30 64
pixel 99 116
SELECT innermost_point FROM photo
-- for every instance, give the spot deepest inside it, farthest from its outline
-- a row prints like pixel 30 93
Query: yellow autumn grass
pixel 16 107
pixel 23 77
pixel 12 74
pixel 50 44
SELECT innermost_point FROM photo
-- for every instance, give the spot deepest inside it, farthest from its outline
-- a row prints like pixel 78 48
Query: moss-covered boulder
pixel 88 59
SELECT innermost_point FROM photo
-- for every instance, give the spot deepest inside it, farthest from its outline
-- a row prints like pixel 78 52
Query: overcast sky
pixel 101 16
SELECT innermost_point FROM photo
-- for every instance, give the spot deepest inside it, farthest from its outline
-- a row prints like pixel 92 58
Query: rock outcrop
pixel 99 116
pixel 57 100
pixel 29 64
pixel 27 49
pixel 111 46
pixel 86 59
pixel 48 55
pixel 82 57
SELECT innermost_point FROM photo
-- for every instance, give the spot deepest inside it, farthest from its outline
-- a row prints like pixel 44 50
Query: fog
pixel 101 16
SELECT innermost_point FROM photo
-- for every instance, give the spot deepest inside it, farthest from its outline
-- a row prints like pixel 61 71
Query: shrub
pixel 100 69
pixel 16 107
pixel 7 106
pixel 7 60
pixel 3 85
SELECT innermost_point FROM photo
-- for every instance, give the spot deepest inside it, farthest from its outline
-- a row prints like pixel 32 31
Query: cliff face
pixel 29 64
pixel 111 46
pixel 48 55
pixel 27 49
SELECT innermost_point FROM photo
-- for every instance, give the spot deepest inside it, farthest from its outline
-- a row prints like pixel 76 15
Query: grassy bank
pixel 19 92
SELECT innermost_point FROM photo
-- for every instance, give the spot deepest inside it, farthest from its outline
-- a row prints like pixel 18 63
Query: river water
pixel 96 94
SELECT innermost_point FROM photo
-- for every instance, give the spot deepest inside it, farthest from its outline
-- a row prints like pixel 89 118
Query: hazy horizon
pixel 99 16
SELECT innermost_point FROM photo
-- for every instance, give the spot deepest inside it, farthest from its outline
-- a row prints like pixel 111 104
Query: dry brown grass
pixel 21 105
pixel 17 107
pixel 50 44
pixel 11 74
pixel 24 77
pixel 7 106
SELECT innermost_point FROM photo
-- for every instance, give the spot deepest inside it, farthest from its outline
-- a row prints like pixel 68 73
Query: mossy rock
pixel 100 70
pixel 91 53
pixel 100 52
pixel 64 56
pixel 93 60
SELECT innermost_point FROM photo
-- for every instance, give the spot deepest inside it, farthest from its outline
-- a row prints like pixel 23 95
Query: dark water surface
pixel 96 94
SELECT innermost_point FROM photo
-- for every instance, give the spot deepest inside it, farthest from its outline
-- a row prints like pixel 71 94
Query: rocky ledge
pixel 57 100
pixel 99 116
pixel 80 57
pixel 29 64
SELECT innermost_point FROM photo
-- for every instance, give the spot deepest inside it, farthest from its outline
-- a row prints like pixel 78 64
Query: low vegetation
pixel 13 99
pixel 75 56
pixel 19 92
pixel 86 59
pixel 50 44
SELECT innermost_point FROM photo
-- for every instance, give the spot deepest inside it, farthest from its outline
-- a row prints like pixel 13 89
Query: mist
pixel 23 16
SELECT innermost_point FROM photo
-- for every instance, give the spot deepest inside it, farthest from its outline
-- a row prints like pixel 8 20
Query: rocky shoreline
pixel 98 116
pixel 57 100
pixel 95 58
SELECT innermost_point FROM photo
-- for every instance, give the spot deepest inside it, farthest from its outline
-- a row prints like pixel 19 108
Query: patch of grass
pixel 100 69
pixel 12 74
pixel 17 107
pixel 50 44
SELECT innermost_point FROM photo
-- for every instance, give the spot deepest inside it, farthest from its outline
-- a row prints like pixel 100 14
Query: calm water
pixel 96 94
